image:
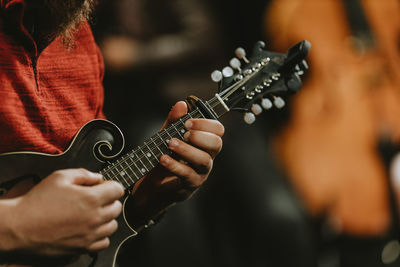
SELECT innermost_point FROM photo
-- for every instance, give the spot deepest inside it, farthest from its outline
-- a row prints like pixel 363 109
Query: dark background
pixel 246 214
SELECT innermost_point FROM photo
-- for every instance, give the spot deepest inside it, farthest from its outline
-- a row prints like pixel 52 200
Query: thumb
pixel 85 177
pixel 177 111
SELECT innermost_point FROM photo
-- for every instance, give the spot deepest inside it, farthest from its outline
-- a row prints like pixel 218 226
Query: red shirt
pixel 43 113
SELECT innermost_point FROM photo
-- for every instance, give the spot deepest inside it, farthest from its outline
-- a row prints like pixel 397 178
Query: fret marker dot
pixel 148 155
pixel 143 170
pixel 183 131
pixel 167 141
pixel 122 173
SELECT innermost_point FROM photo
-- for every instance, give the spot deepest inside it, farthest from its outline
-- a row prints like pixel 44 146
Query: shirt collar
pixel 13 12
pixel 13 9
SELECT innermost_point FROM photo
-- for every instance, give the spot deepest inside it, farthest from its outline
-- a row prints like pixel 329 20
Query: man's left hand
pixel 178 177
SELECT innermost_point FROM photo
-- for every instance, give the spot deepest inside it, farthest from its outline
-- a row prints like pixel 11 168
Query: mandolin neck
pixel 138 162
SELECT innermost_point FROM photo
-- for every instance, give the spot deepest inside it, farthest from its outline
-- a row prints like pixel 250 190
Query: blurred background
pixel 316 184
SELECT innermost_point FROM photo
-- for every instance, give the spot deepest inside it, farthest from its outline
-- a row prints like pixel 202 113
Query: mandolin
pixel 261 83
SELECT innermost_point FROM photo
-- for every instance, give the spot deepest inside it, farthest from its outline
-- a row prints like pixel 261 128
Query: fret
pixel 211 109
pixel 129 167
pixel 121 173
pixel 183 130
pixel 217 106
pixel 141 170
pixel 110 170
pixel 144 169
pixel 155 144
pixel 151 151
pixel 105 174
pixel 159 136
pixel 176 129
pixel 201 114
pixel 170 137
pixel 124 173
pixel 185 118
pixel 115 176
pixel 147 156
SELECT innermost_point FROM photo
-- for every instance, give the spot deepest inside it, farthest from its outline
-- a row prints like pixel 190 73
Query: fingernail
pixel 186 135
pixel 188 124
pixel 173 143
pixel 165 160
pixel 96 175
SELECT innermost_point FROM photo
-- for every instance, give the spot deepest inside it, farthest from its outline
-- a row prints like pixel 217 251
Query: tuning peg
pixel 279 102
pixel 301 67
pixel 266 103
pixel 267 82
pixel 293 83
pixel 227 72
pixel 304 65
pixel 235 63
pixel 249 117
pixel 275 76
pixel 256 108
pixel 216 76
pixel 241 53
pixel 259 88
pixel 260 45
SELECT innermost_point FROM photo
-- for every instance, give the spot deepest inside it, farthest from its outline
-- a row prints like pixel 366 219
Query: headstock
pixel 262 79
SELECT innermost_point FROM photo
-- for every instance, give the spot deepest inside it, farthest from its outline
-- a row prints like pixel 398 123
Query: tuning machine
pixel 301 67
pixel 279 102
pixel 235 64
pixel 256 109
pixel 249 117
pixel 241 54
pixel 216 76
pixel 266 103
pixel 227 72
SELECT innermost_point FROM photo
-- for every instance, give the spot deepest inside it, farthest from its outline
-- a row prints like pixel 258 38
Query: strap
pixel 358 23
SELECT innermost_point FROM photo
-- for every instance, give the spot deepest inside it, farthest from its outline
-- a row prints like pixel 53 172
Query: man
pixel 50 79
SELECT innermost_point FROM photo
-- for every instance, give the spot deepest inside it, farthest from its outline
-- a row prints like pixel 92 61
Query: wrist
pixel 8 232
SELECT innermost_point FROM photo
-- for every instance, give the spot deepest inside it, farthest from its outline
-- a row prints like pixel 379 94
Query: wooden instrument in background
pixel 350 101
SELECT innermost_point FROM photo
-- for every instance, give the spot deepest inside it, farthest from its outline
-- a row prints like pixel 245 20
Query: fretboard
pixel 135 164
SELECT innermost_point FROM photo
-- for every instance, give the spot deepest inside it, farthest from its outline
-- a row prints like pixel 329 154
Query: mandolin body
pixel 96 143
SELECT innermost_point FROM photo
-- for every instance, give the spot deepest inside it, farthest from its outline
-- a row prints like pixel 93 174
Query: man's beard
pixel 68 15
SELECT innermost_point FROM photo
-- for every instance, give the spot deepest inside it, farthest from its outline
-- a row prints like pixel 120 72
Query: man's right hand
pixel 70 210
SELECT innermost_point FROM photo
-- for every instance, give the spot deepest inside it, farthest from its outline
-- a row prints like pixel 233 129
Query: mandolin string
pixel 152 145
pixel 213 102
pixel 163 135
